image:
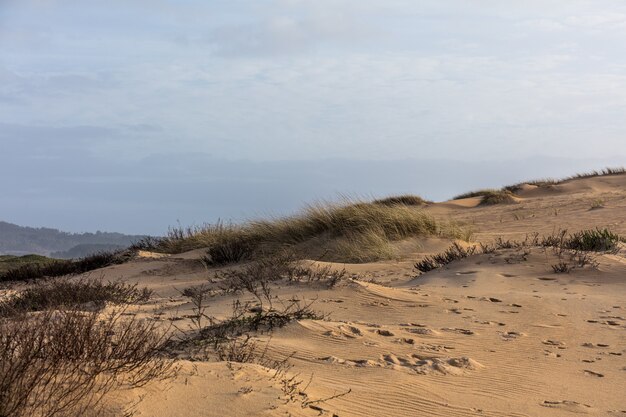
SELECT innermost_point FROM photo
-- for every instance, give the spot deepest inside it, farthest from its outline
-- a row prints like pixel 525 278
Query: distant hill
pixel 20 240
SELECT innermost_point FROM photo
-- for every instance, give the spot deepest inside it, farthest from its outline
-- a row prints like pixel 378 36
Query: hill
pixel 20 240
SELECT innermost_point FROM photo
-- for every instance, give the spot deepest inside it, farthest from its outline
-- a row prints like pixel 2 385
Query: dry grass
pixel 544 183
pixel 350 231
pixel 405 199
pixel 490 196
pixel 548 182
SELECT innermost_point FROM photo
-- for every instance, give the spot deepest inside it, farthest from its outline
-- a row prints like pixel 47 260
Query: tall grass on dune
pixel 505 194
pixel 360 230
pixel 490 196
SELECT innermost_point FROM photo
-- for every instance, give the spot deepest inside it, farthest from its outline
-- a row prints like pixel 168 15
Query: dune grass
pixel 506 193
pixel 351 230
pixel 547 182
pixel 405 199
pixel 490 196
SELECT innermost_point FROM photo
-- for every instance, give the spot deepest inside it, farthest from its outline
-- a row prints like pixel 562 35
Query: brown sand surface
pixel 492 335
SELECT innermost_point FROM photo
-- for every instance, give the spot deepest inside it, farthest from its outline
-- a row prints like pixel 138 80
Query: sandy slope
pixel 493 335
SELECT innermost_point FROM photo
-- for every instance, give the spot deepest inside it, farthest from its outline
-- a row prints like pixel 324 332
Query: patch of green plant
pixel 59 267
pixel 8 262
pixel 598 240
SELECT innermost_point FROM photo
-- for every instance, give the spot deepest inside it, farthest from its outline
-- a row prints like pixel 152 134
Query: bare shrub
pixel 561 267
pixel 63 362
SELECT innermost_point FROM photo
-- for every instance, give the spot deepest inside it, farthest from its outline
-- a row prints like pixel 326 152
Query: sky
pixel 136 115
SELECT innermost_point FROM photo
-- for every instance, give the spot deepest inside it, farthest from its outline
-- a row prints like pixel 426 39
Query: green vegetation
pixel 8 262
pixel 598 240
pixel 348 231
pixel 57 267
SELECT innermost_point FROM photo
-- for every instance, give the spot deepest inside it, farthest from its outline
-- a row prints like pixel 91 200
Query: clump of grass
pixel 76 294
pixel 477 193
pixel 598 240
pixel 497 197
pixel 59 267
pixel 405 199
pixel 490 196
pixel 453 253
pixel 354 230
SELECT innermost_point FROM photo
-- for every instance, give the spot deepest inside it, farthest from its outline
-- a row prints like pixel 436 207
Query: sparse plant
pixel 453 253
pixel 598 240
pixel 406 199
pixel 81 294
pixel 597 204
pixel 561 268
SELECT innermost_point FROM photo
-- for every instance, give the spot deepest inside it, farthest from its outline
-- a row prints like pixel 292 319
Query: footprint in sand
pixel 424 331
pixel 558 344
pixel 571 406
pixel 457 330
pixel 591 373
pixel 350 330
pixel 508 336
pixel 427 365
pixel 593 345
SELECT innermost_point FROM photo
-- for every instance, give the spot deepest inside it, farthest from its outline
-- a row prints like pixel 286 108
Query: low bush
pixel 76 294
pixel 64 362
pixel 57 268
pixel 598 240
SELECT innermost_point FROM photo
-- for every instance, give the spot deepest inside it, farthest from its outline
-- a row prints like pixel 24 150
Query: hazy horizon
pixel 148 196
pixel 128 116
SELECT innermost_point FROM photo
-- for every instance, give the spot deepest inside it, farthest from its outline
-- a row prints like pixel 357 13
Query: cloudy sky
pixel 130 115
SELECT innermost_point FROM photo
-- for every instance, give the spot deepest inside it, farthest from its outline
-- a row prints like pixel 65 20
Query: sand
pixel 492 335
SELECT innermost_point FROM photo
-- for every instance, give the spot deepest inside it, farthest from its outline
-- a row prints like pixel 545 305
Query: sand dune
pixel 495 334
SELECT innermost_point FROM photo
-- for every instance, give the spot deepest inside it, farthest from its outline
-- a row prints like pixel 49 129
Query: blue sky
pixel 120 84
